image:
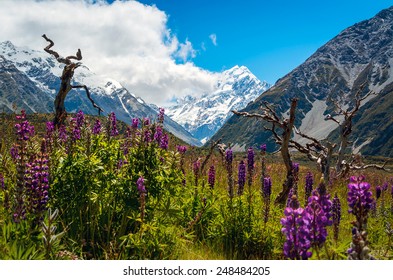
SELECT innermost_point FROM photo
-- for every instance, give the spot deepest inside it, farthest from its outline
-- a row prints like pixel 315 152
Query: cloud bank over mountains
pixel 126 40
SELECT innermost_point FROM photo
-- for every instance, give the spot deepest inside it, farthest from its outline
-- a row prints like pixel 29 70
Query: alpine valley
pixel 29 80
pixel 361 54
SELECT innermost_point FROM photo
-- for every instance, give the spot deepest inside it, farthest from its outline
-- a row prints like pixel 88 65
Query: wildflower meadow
pixel 93 188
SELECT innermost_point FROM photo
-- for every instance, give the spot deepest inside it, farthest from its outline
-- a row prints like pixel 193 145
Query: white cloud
pixel 213 38
pixel 126 40
pixel 186 51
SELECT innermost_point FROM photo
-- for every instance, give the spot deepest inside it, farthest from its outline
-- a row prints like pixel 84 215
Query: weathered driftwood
pixel 66 77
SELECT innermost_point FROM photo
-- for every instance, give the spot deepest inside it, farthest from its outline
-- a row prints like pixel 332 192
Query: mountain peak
pixel 203 116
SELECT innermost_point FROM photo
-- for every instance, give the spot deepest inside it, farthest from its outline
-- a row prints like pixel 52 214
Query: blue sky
pixel 269 37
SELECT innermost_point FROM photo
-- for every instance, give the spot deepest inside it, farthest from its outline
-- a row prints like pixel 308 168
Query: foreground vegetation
pixel 86 191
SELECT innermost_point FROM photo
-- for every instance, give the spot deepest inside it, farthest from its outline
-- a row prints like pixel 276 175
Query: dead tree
pixel 316 151
pixel 65 87
pixel 286 125
pixel 345 129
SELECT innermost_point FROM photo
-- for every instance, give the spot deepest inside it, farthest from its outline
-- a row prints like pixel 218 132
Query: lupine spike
pixel 241 178
pixel 212 177
pixel 336 214
pixel 267 191
pixel 360 203
pixel 228 161
pixel 296 230
pixel 97 127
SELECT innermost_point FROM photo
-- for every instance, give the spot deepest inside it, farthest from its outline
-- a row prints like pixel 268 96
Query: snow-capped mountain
pixel 203 116
pixel 29 79
pixel 360 55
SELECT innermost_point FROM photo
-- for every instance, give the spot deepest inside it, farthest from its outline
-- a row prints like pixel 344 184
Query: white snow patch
pixel 377 88
pixel 357 149
pixel 314 123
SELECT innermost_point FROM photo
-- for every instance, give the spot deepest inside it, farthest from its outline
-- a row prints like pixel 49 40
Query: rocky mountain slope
pixel 203 116
pixel 29 79
pixel 361 54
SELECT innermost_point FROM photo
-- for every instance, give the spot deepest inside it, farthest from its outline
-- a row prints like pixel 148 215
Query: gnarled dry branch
pixel 66 77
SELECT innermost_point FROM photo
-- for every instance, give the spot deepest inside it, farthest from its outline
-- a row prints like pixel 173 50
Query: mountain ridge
pixel 360 54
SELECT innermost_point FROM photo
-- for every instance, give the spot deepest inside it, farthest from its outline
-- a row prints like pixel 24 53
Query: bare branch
pixel 209 154
pixel 271 111
pixel 367 166
pixel 89 96
pixel 274 132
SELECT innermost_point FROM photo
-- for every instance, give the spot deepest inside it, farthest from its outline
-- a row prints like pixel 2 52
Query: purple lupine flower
pixel 50 128
pixel 164 142
pixel 196 169
pixel 14 152
pixel 135 123
pixel 228 161
pixel 121 163
pixel 212 176
pixel 80 119
pixel 385 186
pixel 147 136
pixel 291 194
pixel 325 202
pixel 37 185
pixel 336 214
pixel 140 183
pixel 309 185
pixel 196 166
pixel 267 187
pixel 296 230
pixel 360 199
pixel 318 221
pixel 266 192
pixel 2 182
pixel 336 209
pixel 241 178
pixel 250 166
pixel 158 134
pixel 378 191
pixel 161 115
pixel 229 156
pixel 146 121
pixel 263 148
pixel 23 129
pixel 250 159
pixel 76 134
pixel 181 149
pixel 360 203
pixel 97 127
pixel 113 124
pixel 63 133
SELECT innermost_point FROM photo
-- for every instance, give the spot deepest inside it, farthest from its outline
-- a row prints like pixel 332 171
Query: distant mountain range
pixel 29 79
pixel 203 116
